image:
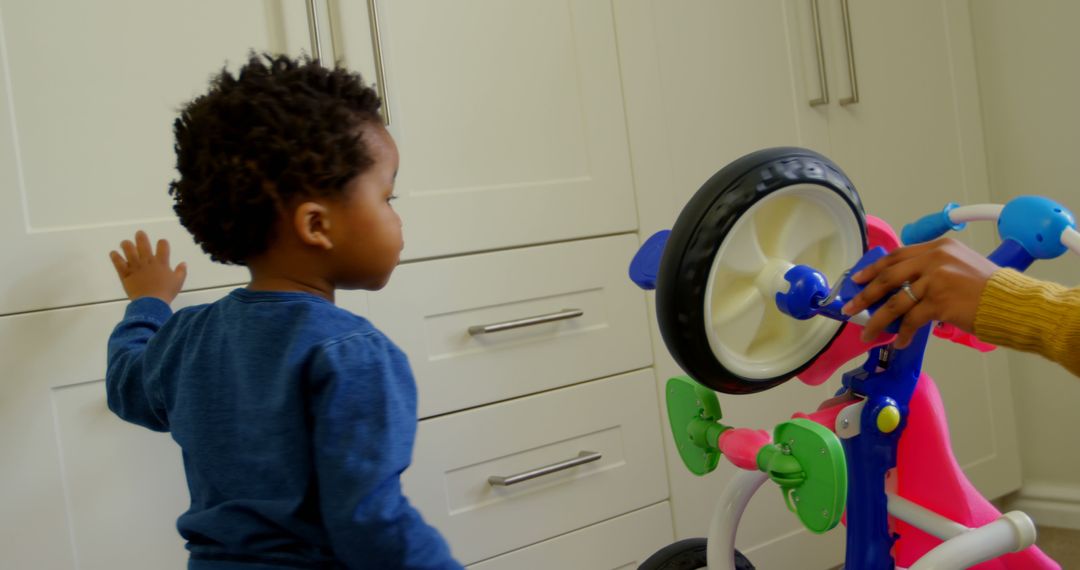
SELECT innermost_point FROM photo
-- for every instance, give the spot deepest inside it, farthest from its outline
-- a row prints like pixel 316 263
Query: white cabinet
pixel 587 321
pixel 913 141
pixel 508 116
pixel 517 122
pixel 88 95
pixel 80 488
pixel 706 82
pixel 622 543
pixel 615 421
pixel 511 126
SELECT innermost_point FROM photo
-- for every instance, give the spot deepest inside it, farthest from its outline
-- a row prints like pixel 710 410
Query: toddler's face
pixel 368 240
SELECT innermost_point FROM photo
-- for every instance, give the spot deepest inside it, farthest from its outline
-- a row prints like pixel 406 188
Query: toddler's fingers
pixel 163 251
pixel 181 271
pixel 130 252
pixel 119 263
pixel 142 244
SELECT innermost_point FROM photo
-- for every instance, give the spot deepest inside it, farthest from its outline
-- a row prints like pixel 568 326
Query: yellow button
pixel 888 419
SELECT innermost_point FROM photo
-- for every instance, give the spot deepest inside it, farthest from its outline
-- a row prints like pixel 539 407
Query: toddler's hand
pixel 145 273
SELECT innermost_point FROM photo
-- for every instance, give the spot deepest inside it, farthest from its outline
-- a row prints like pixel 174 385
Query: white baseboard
pixel 1049 503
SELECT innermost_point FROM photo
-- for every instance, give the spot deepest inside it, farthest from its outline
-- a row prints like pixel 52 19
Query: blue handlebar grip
pixel 646 263
pixel 930 227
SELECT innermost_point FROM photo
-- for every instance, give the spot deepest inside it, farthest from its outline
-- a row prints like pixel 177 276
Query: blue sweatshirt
pixel 295 419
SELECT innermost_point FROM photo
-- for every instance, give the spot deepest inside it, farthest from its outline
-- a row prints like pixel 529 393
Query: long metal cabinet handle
pixel 527 321
pixel 850 44
pixel 582 458
pixel 313 29
pixel 815 13
pixel 376 46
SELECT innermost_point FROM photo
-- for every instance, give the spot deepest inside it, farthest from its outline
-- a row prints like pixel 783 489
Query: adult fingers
pixel 914 319
pixel 895 256
pixel 908 270
pixel 897 305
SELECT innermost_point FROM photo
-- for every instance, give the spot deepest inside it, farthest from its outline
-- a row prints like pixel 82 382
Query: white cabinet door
pixel 908 143
pixel 88 95
pixel 81 488
pixel 912 143
pixel 508 116
pixel 706 82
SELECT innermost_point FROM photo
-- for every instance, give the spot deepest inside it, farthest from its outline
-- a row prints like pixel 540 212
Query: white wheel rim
pixel 803 224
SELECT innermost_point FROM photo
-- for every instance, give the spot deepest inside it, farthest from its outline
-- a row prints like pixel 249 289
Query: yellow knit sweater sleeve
pixel 1017 311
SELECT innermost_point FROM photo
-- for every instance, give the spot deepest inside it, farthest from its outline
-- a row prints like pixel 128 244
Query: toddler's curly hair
pixel 278 130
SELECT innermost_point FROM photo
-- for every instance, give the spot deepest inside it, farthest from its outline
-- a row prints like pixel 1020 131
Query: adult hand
pixel 946 279
pixel 144 273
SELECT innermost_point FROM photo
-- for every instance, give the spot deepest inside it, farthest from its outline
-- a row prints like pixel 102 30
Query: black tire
pixel 696 237
pixel 687 554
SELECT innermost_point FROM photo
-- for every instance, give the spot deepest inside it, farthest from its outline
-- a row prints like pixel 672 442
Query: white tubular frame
pixel 1070 238
pixel 975 213
pixel 924 519
pixel 964 547
pixel 720 547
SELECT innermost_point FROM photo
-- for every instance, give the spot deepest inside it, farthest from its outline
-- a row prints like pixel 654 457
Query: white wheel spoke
pixel 774 329
pixel 814 227
pixel 742 252
pixel 737 316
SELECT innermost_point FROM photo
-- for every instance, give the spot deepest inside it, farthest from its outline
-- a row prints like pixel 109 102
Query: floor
pixel 1061 544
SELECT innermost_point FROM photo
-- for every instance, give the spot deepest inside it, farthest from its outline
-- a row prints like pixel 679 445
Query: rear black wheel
pixel 729 249
pixel 687 554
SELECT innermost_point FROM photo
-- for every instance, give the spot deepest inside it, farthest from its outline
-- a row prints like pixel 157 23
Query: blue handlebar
pixel 1036 224
pixel 930 227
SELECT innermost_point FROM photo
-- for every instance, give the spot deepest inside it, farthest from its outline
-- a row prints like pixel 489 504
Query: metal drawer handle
pixel 376 47
pixel 526 322
pixel 850 44
pixel 582 458
pixel 313 30
pixel 815 13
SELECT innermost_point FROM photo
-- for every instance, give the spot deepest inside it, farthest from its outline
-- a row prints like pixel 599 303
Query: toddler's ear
pixel 311 221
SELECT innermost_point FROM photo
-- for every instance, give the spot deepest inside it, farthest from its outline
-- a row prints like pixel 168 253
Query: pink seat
pixel 929 476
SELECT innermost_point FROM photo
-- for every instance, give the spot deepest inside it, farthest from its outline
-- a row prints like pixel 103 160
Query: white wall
pixel 1029 80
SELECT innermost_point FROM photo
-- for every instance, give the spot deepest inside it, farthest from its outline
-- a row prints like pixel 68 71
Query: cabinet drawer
pixel 618 544
pixel 429 307
pixel 456 454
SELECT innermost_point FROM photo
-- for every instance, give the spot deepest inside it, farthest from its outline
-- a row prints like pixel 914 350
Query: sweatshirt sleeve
pixel 131 395
pixel 1024 313
pixel 363 407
